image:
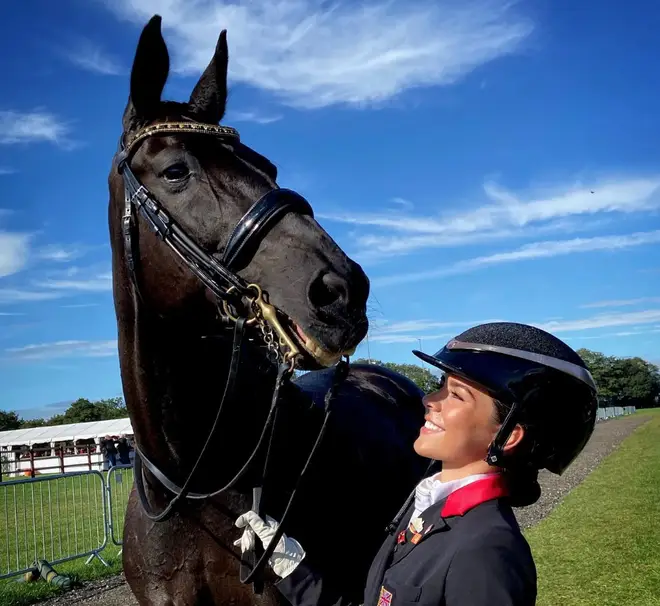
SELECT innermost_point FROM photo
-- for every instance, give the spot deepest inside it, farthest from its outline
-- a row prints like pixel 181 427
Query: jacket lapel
pixel 457 503
pixel 432 523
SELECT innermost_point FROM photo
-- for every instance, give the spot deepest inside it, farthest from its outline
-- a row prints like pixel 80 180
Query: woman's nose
pixel 432 403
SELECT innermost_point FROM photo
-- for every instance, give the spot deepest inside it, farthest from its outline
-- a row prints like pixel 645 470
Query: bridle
pixel 240 302
pixel 219 277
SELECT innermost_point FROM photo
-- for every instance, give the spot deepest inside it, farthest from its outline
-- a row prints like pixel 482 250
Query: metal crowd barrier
pixel 609 412
pixel 119 483
pixel 58 518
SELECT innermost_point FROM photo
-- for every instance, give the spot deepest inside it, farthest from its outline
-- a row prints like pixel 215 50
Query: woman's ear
pixel 515 437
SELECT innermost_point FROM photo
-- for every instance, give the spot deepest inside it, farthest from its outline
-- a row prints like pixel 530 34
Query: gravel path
pixel 607 436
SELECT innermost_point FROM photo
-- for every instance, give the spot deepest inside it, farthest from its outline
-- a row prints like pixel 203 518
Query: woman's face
pixel 460 424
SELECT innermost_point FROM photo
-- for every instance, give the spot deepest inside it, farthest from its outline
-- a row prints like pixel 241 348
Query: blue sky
pixel 483 160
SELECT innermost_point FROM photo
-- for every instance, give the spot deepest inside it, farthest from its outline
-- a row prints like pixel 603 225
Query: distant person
pixel 131 452
pixel 123 448
pixel 109 451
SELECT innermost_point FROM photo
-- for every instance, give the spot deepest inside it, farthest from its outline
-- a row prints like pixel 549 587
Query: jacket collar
pixel 460 501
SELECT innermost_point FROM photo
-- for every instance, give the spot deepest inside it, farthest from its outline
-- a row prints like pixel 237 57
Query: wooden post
pixel 61 454
pixel 31 462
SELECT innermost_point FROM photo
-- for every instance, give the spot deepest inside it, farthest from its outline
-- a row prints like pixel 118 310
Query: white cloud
pixel 252 116
pixel 80 305
pixel 56 285
pixel 412 331
pixel 315 54
pixel 507 215
pixel 60 254
pixel 389 339
pixel 7 170
pixel 64 349
pixel 402 203
pixel 98 283
pixel 14 252
pixel 32 127
pixel 622 302
pixel 648 316
pixel 420 325
pixel 18 295
pixel 536 250
pixel 87 55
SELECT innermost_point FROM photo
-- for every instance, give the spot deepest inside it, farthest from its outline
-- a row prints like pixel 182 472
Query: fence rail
pixel 57 518
pixel 73 515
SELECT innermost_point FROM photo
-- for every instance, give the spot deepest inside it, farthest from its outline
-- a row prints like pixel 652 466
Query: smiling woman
pixel 514 400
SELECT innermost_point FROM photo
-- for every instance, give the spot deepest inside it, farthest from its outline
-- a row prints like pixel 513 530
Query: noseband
pixel 239 302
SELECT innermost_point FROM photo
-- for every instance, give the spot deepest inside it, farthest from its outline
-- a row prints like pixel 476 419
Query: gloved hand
pixel 287 554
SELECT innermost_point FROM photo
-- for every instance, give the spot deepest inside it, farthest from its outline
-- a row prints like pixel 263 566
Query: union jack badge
pixel 385 597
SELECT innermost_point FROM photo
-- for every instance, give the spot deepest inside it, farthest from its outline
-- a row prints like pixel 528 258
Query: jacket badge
pixel 385 597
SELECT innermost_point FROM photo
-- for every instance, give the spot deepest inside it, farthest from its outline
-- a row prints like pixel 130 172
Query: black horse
pixel 189 247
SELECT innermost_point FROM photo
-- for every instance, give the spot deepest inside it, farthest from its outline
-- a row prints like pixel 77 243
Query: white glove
pixel 285 557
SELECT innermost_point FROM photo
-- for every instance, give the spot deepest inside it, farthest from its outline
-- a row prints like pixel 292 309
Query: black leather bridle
pixel 240 302
pixel 219 276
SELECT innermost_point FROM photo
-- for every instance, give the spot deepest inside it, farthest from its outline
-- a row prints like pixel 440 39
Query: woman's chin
pixel 426 450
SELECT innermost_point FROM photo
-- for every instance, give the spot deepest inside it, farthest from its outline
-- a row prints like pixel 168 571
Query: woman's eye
pixel 176 172
pixel 453 394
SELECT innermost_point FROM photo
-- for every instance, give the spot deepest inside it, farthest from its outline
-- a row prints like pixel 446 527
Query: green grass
pixel 601 546
pixel 54 519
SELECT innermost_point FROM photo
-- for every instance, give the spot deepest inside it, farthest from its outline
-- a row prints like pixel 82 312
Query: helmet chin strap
pixel 495 455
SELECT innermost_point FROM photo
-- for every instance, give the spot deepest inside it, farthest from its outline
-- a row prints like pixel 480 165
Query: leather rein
pixel 240 302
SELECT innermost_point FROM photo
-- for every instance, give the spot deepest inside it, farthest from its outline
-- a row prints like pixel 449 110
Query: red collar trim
pixel 462 500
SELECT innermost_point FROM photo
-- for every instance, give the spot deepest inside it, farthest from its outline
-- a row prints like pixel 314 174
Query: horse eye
pixel 176 172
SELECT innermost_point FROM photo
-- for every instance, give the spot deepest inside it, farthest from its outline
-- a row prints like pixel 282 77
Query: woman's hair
pixel 518 468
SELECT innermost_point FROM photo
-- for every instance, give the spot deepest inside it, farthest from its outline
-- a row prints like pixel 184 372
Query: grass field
pixel 53 519
pixel 601 546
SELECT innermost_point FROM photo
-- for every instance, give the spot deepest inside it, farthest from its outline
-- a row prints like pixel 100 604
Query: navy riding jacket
pixel 467 551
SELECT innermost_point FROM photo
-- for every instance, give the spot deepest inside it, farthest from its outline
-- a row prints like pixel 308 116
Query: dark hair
pixel 519 469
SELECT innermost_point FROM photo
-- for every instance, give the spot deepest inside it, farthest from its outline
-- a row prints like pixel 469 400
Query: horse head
pixel 208 186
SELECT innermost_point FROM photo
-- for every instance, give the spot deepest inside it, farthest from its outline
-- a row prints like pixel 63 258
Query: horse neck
pixel 174 384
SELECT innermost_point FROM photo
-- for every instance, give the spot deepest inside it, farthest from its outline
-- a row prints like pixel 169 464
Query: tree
pixel 422 377
pixel 84 411
pixel 34 423
pixel 623 381
pixel 9 420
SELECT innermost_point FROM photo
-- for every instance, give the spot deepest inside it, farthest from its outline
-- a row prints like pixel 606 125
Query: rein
pixel 242 303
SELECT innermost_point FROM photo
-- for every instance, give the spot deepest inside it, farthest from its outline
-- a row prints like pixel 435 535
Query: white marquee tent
pixel 65 433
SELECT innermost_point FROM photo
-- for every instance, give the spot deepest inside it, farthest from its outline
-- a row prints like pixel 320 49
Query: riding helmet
pixel 543 383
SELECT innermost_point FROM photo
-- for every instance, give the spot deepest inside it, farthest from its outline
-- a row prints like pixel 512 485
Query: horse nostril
pixel 327 289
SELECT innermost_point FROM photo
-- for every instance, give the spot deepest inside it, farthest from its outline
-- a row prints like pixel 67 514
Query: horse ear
pixel 209 97
pixel 148 75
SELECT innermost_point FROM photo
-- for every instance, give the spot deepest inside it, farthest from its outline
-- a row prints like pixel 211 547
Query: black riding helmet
pixel 545 385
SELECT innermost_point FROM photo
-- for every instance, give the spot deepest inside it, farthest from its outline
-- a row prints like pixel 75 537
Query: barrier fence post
pixel 119 484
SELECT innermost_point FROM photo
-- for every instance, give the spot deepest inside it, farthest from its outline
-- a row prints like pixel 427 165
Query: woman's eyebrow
pixel 465 388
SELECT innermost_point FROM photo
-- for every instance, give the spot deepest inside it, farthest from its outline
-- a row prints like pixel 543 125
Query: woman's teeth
pixel 432 426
